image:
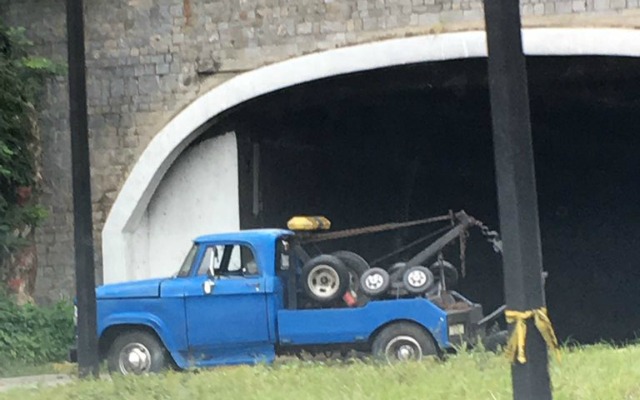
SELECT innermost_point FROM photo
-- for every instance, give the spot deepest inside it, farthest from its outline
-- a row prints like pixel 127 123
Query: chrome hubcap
pixel 323 281
pixel 405 352
pixel 403 348
pixel 134 358
pixel 417 278
pixel 374 281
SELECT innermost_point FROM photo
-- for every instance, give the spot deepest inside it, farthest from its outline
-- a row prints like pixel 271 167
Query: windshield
pixel 188 262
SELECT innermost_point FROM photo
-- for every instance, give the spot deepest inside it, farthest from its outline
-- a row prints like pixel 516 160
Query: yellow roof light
pixel 308 223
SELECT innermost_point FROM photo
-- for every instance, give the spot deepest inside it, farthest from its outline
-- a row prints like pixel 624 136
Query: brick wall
pixel 147 59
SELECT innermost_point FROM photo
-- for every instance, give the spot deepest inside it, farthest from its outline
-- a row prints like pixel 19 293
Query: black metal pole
pixel 516 184
pixel 88 362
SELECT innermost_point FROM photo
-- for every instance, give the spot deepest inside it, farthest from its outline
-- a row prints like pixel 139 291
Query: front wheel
pixel 136 353
pixel 403 341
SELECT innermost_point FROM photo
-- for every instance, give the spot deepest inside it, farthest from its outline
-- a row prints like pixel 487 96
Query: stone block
pixel 563 7
pixel 600 5
pixel 304 28
pixel 428 19
pixel 578 6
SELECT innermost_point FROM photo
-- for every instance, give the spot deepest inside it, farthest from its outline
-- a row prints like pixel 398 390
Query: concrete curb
pixel 35 381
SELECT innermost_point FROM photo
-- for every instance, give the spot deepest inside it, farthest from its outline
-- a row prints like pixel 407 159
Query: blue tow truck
pixel 246 297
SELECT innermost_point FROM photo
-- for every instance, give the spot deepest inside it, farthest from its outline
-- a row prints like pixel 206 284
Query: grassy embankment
pixel 593 372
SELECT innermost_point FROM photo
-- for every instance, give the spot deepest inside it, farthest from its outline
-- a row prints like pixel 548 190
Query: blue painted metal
pixel 348 325
pixel 164 315
pixel 242 320
pixel 232 318
pixel 136 289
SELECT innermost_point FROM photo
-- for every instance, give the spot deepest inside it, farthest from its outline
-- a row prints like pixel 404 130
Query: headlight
pixel 75 315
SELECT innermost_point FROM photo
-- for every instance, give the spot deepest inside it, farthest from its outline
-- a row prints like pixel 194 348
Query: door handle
pixel 208 286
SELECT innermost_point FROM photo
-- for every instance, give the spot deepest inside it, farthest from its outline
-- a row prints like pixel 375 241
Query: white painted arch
pixel 168 144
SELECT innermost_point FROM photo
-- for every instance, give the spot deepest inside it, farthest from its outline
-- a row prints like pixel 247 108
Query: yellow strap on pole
pixel 516 345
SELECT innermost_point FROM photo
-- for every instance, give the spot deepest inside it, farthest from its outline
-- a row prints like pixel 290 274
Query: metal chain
pixel 493 237
pixel 463 252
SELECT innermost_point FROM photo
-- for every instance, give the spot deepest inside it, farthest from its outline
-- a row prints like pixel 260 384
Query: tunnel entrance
pixel 415 141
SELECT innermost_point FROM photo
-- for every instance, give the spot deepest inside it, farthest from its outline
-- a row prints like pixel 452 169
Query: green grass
pixel 594 372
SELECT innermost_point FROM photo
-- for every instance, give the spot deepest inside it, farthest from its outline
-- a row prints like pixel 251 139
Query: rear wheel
pixel 136 353
pixel 403 341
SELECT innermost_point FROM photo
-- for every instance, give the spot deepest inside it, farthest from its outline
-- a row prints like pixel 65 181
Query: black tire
pixel 357 266
pixel 396 288
pixel 374 282
pixel 395 271
pixel 417 280
pixel 324 278
pixel 144 346
pixel 353 261
pixel 496 341
pixel 450 272
pixel 403 341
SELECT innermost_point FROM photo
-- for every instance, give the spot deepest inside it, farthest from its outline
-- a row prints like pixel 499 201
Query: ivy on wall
pixel 22 81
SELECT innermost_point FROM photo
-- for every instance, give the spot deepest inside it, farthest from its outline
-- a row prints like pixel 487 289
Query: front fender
pixel 171 340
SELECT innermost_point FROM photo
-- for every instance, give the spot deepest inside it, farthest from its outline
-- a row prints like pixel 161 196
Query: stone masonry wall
pixel 148 59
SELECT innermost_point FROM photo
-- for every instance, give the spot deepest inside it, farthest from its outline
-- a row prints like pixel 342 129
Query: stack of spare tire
pixel 345 277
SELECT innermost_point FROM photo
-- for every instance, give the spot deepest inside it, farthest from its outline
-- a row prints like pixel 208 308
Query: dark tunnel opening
pixel 415 141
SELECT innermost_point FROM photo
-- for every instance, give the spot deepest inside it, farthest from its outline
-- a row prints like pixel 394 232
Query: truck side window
pixel 212 259
pixel 283 260
pixel 229 260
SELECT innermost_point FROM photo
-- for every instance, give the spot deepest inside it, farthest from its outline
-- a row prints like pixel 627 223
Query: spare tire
pixel 447 269
pixel 324 278
pixel 357 266
pixel 417 280
pixel 374 282
pixel 353 261
pixel 395 276
pixel 395 268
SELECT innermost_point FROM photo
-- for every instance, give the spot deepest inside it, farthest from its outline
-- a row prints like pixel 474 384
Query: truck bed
pixel 354 325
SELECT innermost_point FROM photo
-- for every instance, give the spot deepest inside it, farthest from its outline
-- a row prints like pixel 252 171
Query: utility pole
pixel 88 362
pixel 516 185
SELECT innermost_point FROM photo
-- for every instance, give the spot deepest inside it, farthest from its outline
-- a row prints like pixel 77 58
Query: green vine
pixel 22 81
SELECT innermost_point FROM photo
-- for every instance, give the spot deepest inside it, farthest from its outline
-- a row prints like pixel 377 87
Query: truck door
pixel 227 313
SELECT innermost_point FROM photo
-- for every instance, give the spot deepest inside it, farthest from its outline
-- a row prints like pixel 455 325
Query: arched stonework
pixel 121 236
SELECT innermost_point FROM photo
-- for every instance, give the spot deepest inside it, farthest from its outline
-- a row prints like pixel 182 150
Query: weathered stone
pixel 601 5
pixel 578 5
pixel 145 63
pixel 563 7
pixel 304 28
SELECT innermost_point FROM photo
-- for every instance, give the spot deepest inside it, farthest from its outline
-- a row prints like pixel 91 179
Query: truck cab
pixel 235 300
